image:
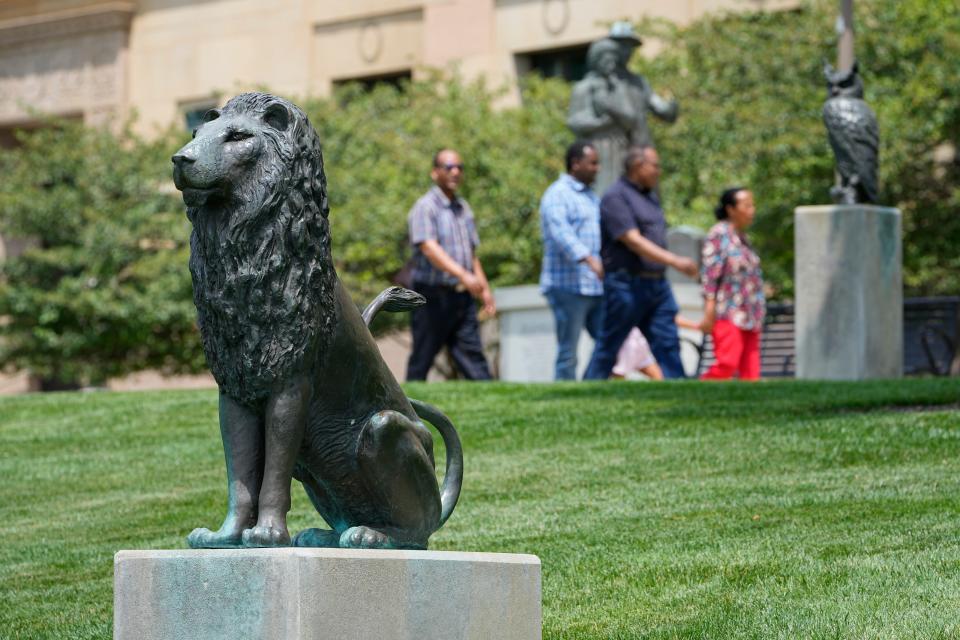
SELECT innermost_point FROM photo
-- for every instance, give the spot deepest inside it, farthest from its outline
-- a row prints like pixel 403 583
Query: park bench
pixel 776 345
pixel 931 328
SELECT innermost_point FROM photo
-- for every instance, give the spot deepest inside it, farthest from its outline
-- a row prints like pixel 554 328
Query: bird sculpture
pixel 854 136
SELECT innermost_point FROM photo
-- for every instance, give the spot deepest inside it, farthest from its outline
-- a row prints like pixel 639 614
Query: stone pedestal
pixel 294 594
pixel 528 339
pixel 688 242
pixel 849 292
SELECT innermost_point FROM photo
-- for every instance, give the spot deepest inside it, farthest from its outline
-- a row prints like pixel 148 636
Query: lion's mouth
pixel 193 197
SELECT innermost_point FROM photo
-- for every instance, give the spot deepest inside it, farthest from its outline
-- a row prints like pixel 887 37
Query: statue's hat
pixel 623 30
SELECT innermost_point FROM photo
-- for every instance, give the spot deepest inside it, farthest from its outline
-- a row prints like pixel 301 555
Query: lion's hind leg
pixel 396 460
pixel 369 538
pixel 325 538
pixel 315 537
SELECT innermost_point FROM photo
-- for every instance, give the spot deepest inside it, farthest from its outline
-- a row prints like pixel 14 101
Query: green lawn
pixel 684 510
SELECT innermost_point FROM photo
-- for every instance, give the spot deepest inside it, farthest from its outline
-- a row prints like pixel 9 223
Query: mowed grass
pixel 671 510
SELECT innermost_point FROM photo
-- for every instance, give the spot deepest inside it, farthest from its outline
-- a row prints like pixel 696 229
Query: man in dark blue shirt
pixel 633 236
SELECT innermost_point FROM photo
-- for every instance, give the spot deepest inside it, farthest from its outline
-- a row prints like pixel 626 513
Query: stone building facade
pixel 72 62
pixel 98 59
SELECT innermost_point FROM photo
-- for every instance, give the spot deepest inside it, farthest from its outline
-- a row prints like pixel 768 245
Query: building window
pixel 569 63
pixel 193 112
pixel 8 138
pixel 396 80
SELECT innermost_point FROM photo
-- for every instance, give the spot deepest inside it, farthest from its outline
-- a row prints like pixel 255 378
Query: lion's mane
pixel 263 278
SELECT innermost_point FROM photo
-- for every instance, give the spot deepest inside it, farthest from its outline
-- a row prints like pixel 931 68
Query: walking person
pixel 635 357
pixel 571 277
pixel 734 306
pixel 447 272
pixel 633 235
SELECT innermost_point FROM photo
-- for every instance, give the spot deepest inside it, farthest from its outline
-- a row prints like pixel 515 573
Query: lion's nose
pixel 186 155
pixel 179 159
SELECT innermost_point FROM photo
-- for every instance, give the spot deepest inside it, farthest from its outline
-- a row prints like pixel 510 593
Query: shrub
pixel 103 288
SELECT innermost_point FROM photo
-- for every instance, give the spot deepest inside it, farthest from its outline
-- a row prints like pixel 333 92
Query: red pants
pixel 737 351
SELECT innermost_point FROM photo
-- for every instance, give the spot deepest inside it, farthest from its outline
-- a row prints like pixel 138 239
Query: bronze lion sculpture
pixel 304 392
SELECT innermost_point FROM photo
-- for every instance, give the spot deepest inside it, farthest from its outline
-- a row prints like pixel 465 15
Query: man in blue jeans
pixel 572 272
pixel 633 233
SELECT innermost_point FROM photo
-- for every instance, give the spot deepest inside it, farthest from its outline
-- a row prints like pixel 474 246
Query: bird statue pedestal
pixel 849 292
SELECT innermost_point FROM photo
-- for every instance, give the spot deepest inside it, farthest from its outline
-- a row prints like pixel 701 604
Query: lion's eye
pixel 236 136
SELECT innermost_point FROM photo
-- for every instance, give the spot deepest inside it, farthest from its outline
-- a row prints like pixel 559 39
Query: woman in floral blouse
pixel 733 290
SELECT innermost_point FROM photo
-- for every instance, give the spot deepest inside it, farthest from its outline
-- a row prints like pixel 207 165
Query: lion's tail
pixel 393 299
pixel 399 299
pixel 453 476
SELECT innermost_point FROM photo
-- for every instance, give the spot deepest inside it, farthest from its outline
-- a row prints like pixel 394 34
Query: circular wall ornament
pixel 370 41
pixel 556 16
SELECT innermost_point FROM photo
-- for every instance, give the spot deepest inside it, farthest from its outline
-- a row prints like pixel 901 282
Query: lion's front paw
pixel 203 538
pixel 366 538
pixel 267 536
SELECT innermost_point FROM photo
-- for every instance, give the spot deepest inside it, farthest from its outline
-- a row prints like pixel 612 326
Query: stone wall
pixel 98 58
pixel 67 64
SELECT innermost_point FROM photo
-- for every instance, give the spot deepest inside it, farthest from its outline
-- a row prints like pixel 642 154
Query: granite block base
pixel 849 292
pixel 295 594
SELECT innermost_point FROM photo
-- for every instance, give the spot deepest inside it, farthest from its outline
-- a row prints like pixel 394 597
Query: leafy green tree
pixel 103 288
pixel 751 89
pixel 378 148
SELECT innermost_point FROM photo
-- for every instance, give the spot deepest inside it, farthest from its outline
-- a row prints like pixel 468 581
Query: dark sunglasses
pixel 450 166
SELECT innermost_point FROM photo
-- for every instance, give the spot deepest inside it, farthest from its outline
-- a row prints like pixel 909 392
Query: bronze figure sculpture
pixel 304 392
pixel 854 135
pixel 609 106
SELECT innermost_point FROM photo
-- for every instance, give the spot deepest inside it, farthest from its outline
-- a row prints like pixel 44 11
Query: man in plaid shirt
pixel 447 272
pixel 572 274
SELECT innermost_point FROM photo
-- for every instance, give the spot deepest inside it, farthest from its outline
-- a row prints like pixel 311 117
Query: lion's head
pixel 253 182
pixel 248 154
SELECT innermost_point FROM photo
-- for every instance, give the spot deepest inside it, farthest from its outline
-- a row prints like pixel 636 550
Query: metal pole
pixel 845 27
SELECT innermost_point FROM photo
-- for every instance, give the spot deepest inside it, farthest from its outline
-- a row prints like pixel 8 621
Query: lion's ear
pixel 277 117
pixel 212 114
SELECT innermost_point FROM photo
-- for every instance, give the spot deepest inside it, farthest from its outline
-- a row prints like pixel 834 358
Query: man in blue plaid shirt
pixel 572 274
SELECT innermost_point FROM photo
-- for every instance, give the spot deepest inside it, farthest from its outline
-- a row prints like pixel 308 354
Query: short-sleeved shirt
pixel 731 274
pixel 626 206
pixel 450 223
pixel 570 223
